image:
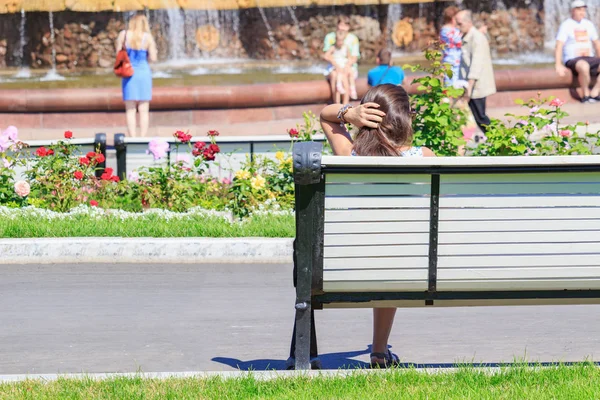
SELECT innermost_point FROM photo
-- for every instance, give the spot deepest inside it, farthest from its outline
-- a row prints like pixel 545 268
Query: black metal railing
pixel 97 143
pixel 247 145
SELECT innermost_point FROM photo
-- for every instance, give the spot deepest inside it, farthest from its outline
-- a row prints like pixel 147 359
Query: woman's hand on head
pixel 367 114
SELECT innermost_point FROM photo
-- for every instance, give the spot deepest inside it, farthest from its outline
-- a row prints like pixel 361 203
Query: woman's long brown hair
pixel 395 131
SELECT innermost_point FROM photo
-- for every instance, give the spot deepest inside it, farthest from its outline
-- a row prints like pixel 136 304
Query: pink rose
pixel 557 102
pixel 158 148
pixel 11 133
pixel 565 133
pixel 22 188
pixel 4 144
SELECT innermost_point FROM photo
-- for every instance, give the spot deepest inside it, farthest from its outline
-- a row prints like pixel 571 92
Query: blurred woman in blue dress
pixel 137 89
pixel 451 38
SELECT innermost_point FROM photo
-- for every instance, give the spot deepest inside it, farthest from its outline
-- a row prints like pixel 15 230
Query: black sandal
pixel 389 360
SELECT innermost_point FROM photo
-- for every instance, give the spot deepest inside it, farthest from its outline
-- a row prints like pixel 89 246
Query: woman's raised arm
pixel 335 130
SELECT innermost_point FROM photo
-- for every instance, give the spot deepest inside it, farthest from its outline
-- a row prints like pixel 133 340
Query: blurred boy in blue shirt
pixel 385 72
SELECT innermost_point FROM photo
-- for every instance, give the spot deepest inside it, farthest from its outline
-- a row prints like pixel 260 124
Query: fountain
pixel 52 75
pixel 176 34
pixel 394 16
pixel 23 71
pixel 297 26
pixel 274 46
pixel 226 37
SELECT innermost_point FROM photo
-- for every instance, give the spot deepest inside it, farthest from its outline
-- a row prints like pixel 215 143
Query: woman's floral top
pixel 452 40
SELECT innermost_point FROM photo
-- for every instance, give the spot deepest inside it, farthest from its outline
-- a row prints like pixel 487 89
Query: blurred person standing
pixel 574 48
pixel 385 72
pixel 137 89
pixel 451 38
pixel 476 68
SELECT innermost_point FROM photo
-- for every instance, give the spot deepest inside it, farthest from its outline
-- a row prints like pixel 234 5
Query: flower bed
pixel 59 178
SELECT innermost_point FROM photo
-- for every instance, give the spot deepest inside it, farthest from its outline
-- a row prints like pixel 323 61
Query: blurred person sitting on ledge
pixel 352 44
pixel 574 49
pixel 137 89
pixel 385 72
pixel 339 54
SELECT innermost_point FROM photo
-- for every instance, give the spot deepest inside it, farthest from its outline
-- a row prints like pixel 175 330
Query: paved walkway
pixel 125 318
pixel 577 113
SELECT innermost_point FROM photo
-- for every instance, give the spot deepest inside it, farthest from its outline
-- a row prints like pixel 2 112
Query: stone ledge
pixel 256 96
pixel 145 250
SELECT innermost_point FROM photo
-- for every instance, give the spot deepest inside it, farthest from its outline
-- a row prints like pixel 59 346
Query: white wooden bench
pixel 461 231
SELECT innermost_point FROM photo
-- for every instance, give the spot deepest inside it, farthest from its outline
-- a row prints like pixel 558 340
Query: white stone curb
pixel 145 250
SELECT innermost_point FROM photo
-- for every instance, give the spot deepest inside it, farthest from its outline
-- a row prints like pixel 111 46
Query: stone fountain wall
pixel 86 40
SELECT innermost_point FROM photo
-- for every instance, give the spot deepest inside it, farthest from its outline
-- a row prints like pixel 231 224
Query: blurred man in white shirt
pixel 574 51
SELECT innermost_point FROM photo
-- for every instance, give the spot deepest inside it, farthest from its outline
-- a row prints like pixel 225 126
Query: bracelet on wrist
pixel 342 113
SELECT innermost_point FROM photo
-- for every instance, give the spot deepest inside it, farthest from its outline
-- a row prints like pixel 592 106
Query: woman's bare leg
pixel 352 81
pixel 383 319
pixel 346 84
pixel 333 76
pixel 144 109
pixel 130 111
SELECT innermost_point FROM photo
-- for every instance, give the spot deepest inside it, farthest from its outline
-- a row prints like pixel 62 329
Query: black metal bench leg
pixel 302 336
pixel 309 188
pixel 314 352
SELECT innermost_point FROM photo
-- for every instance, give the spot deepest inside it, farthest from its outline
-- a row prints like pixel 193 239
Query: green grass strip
pixel 581 381
pixel 153 225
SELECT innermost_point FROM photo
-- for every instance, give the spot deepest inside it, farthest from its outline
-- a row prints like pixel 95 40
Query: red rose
pixel 107 174
pixel 208 155
pixel 213 133
pixel 41 152
pixel 91 155
pixel 99 158
pixel 50 152
pixel 115 178
pixel 78 175
pixel 200 145
pixel 93 203
pixel 182 136
pixel 68 135
pixel 84 161
pixel 196 153
pixel 293 132
pixel 214 148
